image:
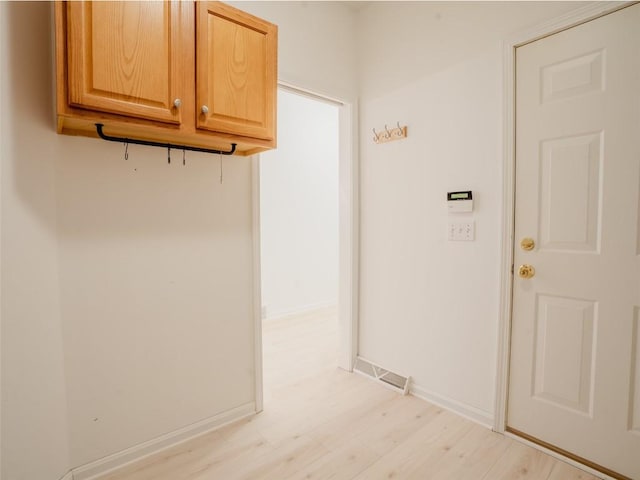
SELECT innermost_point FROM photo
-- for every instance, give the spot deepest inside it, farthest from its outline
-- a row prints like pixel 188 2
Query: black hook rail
pixel 159 144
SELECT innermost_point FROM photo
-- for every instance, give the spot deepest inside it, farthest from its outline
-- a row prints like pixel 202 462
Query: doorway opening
pixel 299 242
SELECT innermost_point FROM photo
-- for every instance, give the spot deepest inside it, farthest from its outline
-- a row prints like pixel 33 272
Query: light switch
pixel 461 231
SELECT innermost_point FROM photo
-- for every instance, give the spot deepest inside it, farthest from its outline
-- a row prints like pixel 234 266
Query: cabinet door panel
pixel 236 72
pixel 123 58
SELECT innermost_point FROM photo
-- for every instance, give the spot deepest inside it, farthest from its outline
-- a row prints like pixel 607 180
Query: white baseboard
pixel 467 411
pixel 301 310
pixel 100 467
pixel 68 476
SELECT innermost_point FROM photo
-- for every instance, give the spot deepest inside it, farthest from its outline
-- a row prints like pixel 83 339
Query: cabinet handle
pixel 177 102
pixel 205 109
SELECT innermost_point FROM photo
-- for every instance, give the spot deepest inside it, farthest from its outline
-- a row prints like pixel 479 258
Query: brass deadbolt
pixel 527 244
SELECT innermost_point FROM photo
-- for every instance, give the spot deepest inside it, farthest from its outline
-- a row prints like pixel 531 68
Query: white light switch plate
pixel 461 231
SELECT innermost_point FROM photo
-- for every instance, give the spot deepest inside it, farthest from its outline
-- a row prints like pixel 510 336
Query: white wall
pixel 156 292
pixel 429 307
pixel 34 409
pixel 402 42
pixel 127 287
pixel 299 208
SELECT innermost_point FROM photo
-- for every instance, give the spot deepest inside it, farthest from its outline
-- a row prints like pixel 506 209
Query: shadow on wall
pixel 30 105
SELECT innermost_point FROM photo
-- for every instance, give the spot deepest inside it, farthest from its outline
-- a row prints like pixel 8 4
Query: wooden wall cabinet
pixel 202 74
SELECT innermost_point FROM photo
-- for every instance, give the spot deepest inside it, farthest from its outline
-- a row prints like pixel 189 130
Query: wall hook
pixel 126 150
pixel 396 133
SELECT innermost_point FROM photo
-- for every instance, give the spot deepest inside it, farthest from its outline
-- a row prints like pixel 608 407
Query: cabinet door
pixel 124 58
pixel 236 72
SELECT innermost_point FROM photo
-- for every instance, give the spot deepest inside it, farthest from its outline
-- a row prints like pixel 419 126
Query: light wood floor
pixel 323 423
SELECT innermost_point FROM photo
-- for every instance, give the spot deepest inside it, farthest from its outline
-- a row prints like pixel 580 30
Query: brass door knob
pixel 527 244
pixel 526 271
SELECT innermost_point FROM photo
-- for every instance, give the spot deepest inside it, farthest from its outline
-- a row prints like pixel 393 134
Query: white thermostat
pixel 460 202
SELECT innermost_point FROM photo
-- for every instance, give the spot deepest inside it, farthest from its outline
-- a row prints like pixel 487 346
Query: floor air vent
pixel 391 379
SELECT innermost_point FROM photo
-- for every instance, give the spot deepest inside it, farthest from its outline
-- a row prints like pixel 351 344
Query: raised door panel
pixel 563 354
pixel 570 195
pixel 236 71
pixel 124 58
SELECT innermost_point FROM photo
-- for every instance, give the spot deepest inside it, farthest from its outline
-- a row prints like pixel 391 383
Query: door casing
pixel 348 220
pixel 571 19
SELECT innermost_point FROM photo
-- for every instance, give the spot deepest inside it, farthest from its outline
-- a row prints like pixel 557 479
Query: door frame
pixel 564 22
pixel 348 228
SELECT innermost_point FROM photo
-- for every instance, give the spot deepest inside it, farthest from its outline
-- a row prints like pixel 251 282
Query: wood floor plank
pixel 291 457
pixel 521 462
pixel 354 421
pixel 470 458
pixel 300 413
pixel 425 446
pixel 342 464
pixel 403 417
pixel 564 471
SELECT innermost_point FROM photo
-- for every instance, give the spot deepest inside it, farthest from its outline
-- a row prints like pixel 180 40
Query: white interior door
pixel 575 348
